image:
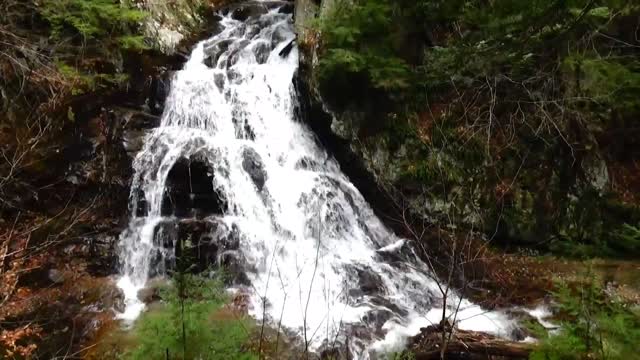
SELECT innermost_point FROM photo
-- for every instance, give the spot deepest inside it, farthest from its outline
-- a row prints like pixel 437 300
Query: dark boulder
pixel 140 206
pixel 261 51
pixel 287 8
pixel 214 50
pixel 376 319
pixel 159 91
pixel 235 52
pixel 190 191
pixel 234 265
pixel 137 124
pixel 219 80
pixel 280 35
pixel 369 282
pixel 133 141
pixel 149 295
pixel 197 241
pixel 252 164
pixel 383 302
pixel 248 10
pixel 211 243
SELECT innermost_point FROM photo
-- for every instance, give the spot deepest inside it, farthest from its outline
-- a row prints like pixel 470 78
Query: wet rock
pixel 209 242
pixel 190 190
pixel 287 8
pixel 375 319
pixel 165 239
pixel 280 35
pixel 140 205
pixel 102 293
pixel 219 80
pixel 197 229
pixel 136 126
pixel 252 164
pixel 212 60
pixel 133 141
pixel 151 293
pixel 165 233
pixel 251 9
pixel 159 91
pixel 230 240
pixel 369 282
pixel 102 252
pixel 148 295
pixel 234 265
pixel 364 282
pixel 198 238
pixel 235 52
pixel 214 50
pixel 262 50
pixel 380 301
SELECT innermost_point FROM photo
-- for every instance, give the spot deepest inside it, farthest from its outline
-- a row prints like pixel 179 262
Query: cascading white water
pixel 310 244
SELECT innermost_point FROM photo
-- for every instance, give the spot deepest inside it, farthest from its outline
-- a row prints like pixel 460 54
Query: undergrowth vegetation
pixel 593 325
pixel 188 325
pixel 518 115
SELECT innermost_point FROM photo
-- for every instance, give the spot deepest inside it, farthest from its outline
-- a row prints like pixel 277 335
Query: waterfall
pixel 314 256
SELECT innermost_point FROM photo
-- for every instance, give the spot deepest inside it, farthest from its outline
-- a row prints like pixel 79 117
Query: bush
pixel 593 327
pixel 185 328
pixel 358 40
pixel 100 30
pixel 103 20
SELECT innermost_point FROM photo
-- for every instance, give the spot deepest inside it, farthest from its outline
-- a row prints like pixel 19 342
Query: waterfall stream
pixel 279 206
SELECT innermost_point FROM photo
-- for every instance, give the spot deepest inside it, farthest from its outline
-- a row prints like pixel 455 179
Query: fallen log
pixel 463 344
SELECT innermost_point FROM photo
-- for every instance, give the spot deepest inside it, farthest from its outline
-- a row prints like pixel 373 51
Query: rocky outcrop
pixel 554 196
pixel 68 212
pixel 170 22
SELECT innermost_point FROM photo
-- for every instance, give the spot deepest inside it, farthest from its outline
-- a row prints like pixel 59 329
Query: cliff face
pixel 569 192
pixel 69 130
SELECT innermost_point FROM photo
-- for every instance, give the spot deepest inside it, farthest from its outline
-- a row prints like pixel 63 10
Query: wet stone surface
pixel 190 190
pixel 252 164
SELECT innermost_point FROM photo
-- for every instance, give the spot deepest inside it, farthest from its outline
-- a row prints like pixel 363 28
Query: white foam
pixel 312 246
